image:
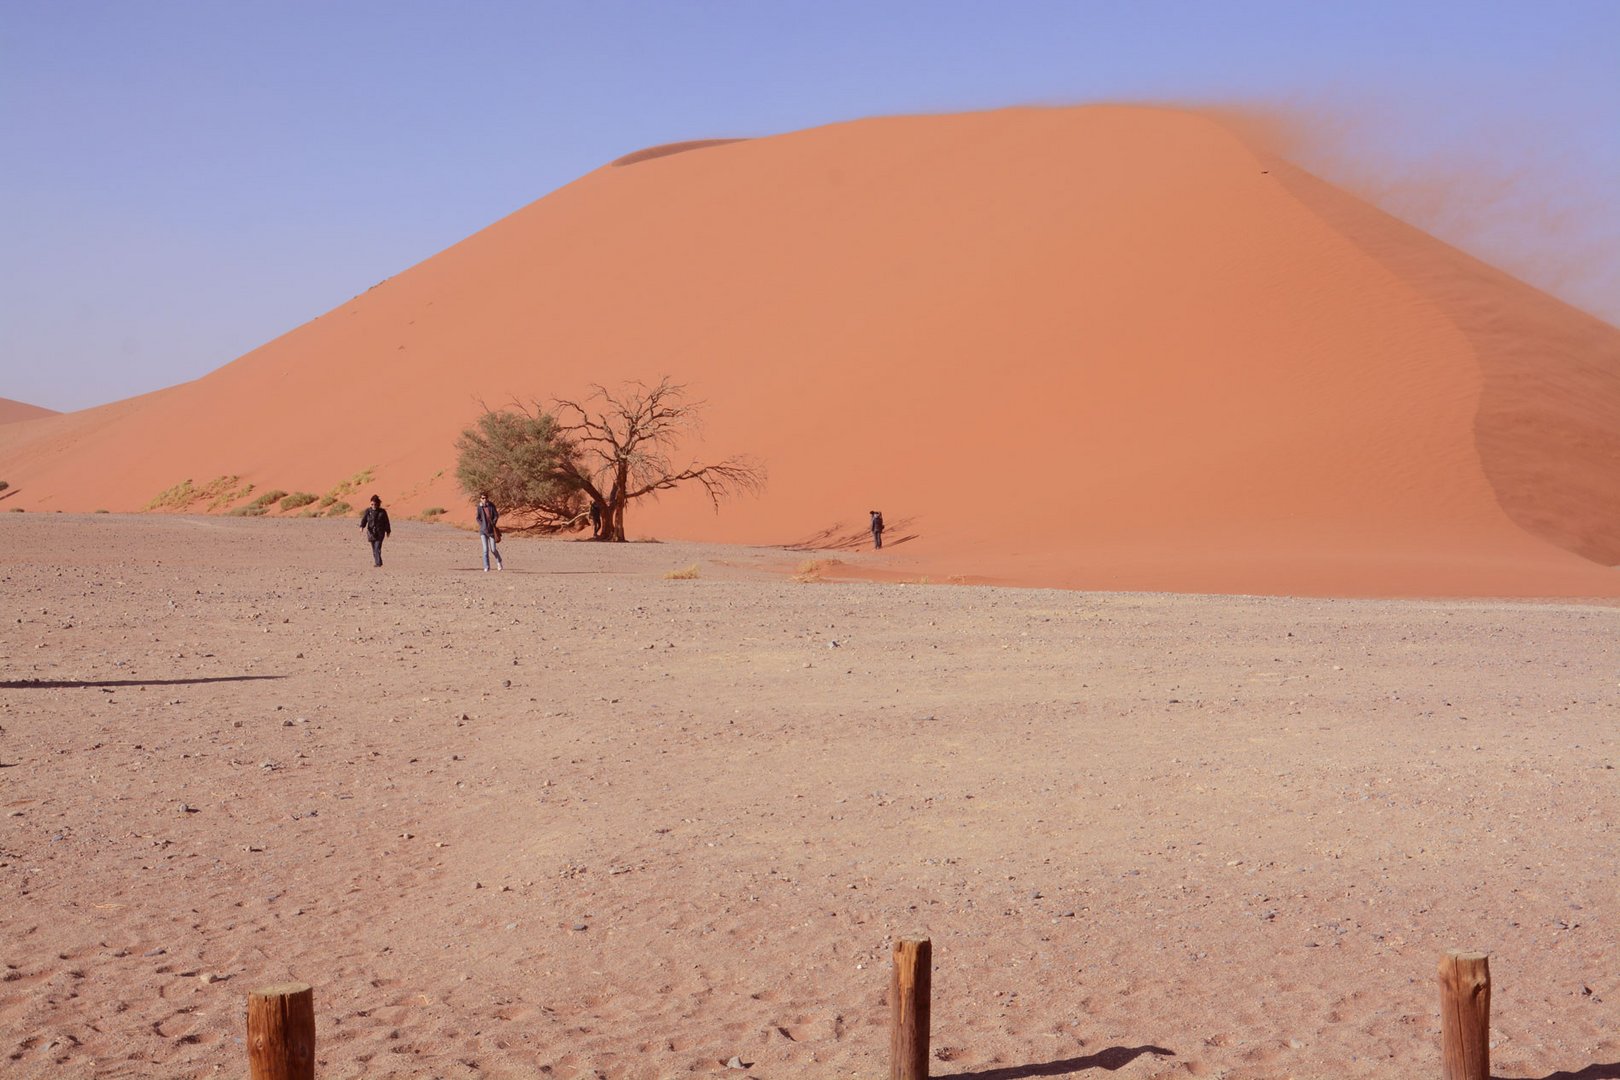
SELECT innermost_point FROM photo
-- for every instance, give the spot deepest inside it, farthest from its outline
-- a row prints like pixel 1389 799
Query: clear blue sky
pixel 183 181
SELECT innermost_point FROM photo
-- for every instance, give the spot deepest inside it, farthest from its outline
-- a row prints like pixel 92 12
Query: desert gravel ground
pixel 580 819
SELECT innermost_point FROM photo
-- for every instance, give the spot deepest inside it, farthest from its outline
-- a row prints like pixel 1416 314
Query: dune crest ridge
pixel 1108 347
pixel 669 150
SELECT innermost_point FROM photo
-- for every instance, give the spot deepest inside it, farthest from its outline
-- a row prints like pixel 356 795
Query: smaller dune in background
pixel 12 411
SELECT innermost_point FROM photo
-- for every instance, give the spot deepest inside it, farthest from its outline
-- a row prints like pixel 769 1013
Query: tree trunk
pixel 614 525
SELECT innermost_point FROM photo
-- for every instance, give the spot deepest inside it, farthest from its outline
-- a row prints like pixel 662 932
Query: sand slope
pixel 1099 347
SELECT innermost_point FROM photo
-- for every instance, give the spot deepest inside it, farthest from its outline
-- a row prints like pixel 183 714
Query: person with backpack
pixel 374 523
pixel 489 533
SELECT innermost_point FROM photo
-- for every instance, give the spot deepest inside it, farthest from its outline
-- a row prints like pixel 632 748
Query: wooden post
pixel 908 992
pixel 281 1033
pixel 1465 1015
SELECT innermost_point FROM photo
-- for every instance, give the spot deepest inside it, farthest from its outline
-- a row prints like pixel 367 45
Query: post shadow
pixel 81 684
pixel 1594 1071
pixel 1109 1059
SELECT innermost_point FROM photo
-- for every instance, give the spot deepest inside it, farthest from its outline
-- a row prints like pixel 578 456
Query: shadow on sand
pixel 1115 1057
pixel 525 572
pixel 836 537
pixel 78 684
pixel 1610 1071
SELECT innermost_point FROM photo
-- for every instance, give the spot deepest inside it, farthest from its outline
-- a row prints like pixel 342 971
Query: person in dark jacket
pixel 489 535
pixel 374 523
pixel 877 528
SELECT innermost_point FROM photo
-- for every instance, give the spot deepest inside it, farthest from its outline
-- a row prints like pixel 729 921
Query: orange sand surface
pixel 1099 347
pixel 11 411
pixel 577 819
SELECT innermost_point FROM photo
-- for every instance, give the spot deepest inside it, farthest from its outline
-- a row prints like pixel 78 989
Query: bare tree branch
pixel 589 458
pixel 626 441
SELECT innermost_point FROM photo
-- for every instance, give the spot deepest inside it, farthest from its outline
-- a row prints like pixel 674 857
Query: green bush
pixel 294 501
pixel 524 462
pixel 250 510
pixel 338 509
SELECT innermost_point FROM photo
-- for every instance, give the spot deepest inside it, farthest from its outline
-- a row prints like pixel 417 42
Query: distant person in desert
pixel 489 533
pixel 374 523
pixel 596 519
pixel 877 528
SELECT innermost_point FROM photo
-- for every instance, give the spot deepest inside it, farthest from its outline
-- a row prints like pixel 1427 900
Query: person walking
pixel 489 533
pixel 877 529
pixel 374 523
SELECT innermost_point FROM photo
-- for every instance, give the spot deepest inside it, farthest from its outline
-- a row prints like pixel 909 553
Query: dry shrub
pixel 177 497
pixel 814 569
pixel 263 501
pixel 685 573
pixel 229 492
pixel 297 499
pixel 364 476
pixel 230 497
pixel 220 491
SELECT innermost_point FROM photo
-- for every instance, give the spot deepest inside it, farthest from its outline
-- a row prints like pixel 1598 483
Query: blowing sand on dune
pixel 1093 347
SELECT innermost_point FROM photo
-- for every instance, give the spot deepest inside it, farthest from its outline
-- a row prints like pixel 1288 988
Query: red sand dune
pixel 12 411
pixel 1101 347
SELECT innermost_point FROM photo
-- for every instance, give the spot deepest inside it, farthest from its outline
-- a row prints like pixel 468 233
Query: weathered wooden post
pixel 908 992
pixel 1465 1015
pixel 281 1033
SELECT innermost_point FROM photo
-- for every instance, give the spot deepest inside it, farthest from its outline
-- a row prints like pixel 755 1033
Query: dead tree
pixel 623 449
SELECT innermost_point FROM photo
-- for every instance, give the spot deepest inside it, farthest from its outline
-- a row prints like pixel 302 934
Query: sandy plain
pixel 578 819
